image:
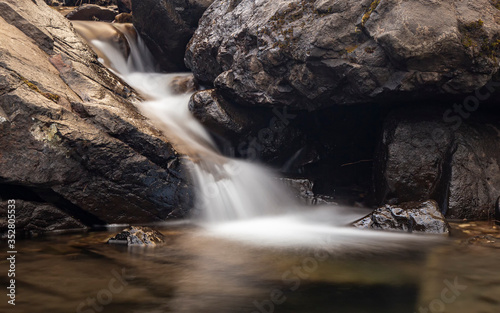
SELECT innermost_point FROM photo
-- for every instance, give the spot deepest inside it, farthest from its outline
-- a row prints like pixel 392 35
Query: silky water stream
pixel 251 248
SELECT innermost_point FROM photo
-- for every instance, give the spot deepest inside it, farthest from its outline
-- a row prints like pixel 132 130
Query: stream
pixel 251 247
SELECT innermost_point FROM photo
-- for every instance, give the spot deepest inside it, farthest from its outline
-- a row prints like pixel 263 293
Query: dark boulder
pixel 167 27
pixel 37 217
pixel 316 54
pixel 497 211
pixel 72 3
pixel 424 156
pixel 124 6
pixel 92 12
pixel 69 131
pixel 138 236
pixel 410 217
pixel 251 133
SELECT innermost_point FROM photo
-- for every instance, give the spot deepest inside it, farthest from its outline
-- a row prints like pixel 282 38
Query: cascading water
pixel 236 199
pixel 227 189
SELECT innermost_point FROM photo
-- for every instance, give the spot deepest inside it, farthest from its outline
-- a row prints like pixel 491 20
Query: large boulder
pixel 167 27
pixel 92 12
pixel 312 54
pixel 69 132
pixel 424 155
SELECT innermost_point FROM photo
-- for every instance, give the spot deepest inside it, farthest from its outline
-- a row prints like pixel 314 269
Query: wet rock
pixel 92 12
pixel 424 156
pixel 138 236
pixel 84 147
pixel 497 211
pixel 252 133
pixel 124 18
pixel 183 84
pixel 167 27
pixel 410 217
pixel 316 54
pixel 38 217
pixel 124 6
pixel 302 188
pixel 72 3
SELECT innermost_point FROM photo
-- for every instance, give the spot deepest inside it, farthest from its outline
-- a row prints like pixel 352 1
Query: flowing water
pixel 252 248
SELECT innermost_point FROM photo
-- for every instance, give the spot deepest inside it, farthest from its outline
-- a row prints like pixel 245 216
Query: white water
pixel 236 199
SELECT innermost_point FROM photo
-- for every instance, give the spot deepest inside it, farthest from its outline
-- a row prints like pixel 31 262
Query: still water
pixel 197 271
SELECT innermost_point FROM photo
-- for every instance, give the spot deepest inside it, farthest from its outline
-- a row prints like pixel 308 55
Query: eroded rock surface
pixel 308 54
pixel 410 217
pixel 138 236
pixel 167 27
pixel 423 156
pixel 69 131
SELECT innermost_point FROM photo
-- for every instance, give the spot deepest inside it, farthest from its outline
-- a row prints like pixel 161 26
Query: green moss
pixel 474 37
pixel 367 15
pixel 495 3
pixel 48 95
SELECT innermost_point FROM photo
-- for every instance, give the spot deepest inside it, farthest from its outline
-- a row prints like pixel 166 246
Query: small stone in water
pixel 410 217
pixel 138 236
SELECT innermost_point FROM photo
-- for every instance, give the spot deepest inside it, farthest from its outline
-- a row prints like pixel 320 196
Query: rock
pixel 497 211
pixel 314 54
pixel 410 217
pixel 303 190
pixel 424 156
pixel 138 236
pixel 72 3
pixel 70 133
pixel 124 6
pixel 251 133
pixel 92 12
pixel 167 27
pixel 38 217
pixel 183 84
pixel 124 18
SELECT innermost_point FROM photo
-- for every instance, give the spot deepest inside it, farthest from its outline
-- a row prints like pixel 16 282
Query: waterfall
pixel 227 189
pixel 235 199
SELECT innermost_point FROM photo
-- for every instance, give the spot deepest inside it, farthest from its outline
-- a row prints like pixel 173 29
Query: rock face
pixel 308 54
pixel 167 27
pixel 424 156
pixel 257 134
pixel 138 236
pixel 73 3
pixel 39 217
pixel 92 12
pixel 69 132
pixel 409 217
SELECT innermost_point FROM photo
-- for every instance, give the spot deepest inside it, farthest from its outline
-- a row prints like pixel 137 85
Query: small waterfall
pixel 236 199
pixel 228 189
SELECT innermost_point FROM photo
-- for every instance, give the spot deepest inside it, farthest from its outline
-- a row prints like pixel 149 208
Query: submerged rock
pixel 410 217
pixel 316 54
pixel 167 27
pixel 69 132
pixel 138 236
